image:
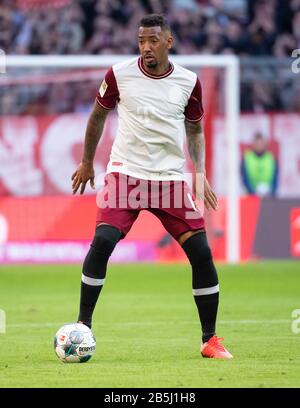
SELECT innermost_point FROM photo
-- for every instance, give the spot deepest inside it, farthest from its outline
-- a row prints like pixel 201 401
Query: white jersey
pixel 151 114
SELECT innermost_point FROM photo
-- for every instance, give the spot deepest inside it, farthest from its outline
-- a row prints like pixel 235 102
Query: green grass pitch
pixel 147 328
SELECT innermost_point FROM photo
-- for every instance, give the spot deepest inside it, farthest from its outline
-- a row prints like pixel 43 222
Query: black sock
pixel 207 306
pixel 205 283
pixel 91 286
pixel 88 299
pixel 94 270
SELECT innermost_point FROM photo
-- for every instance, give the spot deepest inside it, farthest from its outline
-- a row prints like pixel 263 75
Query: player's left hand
pixel 204 192
pixel 84 173
pixel 210 198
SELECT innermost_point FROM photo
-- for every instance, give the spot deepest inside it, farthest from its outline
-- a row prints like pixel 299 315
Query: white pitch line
pixel 153 322
pixel 253 321
pixel 24 325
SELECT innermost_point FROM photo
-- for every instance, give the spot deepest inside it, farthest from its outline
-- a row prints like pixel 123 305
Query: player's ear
pixel 169 42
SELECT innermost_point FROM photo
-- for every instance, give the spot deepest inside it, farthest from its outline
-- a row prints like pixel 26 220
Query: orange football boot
pixel 214 349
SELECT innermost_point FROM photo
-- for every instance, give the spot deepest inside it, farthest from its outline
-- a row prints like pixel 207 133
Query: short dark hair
pixel 154 20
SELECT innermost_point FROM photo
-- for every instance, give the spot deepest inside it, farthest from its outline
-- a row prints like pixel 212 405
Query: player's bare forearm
pixel 196 148
pixel 196 145
pixel 85 171
pixel 93 133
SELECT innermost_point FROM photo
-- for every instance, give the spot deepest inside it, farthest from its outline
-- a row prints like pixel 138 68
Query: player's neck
pixel 160 69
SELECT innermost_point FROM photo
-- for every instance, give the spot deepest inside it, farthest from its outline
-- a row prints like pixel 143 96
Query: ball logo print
pixel 296 322
pixel 74 343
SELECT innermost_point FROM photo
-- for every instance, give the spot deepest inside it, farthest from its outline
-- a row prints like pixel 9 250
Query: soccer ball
pixel 74 343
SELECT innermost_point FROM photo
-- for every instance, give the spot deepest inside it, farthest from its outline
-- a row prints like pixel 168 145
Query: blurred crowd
pixel 248 28
pixel 243 27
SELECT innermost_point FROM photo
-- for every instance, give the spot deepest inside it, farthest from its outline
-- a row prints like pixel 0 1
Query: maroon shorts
pixel 123 197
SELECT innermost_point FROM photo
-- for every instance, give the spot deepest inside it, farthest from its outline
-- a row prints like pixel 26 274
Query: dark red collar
pixel 145 72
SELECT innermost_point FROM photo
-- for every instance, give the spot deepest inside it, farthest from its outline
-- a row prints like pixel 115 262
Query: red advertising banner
pixel 39 154
pixel 40 221
pixel 60 229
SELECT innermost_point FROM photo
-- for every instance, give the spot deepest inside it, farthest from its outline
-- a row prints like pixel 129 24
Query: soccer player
pixel 159 102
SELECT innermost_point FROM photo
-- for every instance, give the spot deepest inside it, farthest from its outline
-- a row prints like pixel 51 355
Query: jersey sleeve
pixel 194 109
pixel 108 94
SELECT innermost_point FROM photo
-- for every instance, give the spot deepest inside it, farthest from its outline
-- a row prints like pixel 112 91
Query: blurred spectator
pixel 265 97
pixel 259 168
pixel 248 27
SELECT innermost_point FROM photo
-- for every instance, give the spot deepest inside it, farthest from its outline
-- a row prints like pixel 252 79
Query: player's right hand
pixel 82 175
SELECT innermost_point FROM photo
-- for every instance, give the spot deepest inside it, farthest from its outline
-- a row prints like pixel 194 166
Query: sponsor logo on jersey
pixel 117 164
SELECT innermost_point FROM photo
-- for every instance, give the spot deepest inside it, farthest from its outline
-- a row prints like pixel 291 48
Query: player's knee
pixel 105 239
pixel 104 242
pixel 204 272
pixel 197 249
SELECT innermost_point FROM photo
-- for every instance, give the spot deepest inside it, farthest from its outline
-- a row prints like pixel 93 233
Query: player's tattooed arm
pixel 85 171
pixel 93 132
pixel 196 148
pixel 196 145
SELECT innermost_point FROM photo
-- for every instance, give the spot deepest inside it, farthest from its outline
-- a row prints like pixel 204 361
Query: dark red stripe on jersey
pixel 111 95
pixel 153 76
pixel 194 109
pixel 101 104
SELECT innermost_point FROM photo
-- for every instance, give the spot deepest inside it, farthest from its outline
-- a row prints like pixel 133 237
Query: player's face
pixel 154 44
